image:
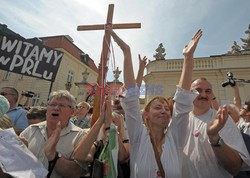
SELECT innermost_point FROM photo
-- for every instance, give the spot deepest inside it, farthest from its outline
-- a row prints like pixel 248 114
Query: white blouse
pixel 142 159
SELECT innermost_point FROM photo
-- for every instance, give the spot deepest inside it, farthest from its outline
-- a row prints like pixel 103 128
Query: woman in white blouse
pixel 166 135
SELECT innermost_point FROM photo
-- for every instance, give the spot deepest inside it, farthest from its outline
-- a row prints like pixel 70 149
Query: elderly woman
pixel 156 148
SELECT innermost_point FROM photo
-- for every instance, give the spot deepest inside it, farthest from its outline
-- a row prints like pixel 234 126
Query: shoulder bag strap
pixel 157 157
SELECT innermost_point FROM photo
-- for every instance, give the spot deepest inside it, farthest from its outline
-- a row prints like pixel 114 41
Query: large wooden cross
pixel 104 56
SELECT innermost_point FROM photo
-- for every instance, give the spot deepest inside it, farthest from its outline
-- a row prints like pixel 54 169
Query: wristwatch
pixel 218 144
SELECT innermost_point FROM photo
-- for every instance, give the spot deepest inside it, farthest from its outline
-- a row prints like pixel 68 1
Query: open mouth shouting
pixel 55 115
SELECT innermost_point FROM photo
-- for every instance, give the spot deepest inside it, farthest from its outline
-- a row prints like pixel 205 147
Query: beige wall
pixel 215 68
pixel 41 87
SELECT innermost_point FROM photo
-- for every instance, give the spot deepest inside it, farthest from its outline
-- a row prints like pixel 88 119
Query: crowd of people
pixel 187 136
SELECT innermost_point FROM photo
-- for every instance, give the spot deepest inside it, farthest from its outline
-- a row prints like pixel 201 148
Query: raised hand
pixel 117 121
pixel 189 49
pixel 142 62
pixel 106 111
pixel 217 124
pixel 116 38
pixel 142 65
pixel 128 71
pixel 50 145
pixel 188 64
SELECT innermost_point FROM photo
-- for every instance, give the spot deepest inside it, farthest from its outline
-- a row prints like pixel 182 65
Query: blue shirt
pixel 18 116
pixel 84 123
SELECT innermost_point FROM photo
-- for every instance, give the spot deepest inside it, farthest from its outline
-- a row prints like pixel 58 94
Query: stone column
pixel 81 95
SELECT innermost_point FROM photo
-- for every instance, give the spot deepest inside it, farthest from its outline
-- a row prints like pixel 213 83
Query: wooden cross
pixel 104 55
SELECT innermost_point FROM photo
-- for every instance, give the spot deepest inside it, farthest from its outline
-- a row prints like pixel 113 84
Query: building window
pixel 6 76
pixel 70 76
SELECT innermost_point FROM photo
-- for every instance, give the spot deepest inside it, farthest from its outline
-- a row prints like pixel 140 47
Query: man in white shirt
pixel 214 145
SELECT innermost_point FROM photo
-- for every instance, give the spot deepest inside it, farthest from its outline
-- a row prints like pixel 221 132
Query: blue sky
pixel 171 22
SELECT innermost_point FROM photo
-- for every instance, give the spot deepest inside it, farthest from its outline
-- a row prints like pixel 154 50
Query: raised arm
pixel 183 101
pixel 130 102
pixel 83 148
pixel 237 99
pixel 123 153
pixel 128 72
pixel 142 65
pixel 188 63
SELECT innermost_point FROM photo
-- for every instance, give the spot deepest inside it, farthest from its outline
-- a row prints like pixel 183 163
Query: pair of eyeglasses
pixel 60 105
pixel 4 94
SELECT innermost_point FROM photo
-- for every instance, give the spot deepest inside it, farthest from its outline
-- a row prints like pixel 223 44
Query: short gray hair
pixel 63 94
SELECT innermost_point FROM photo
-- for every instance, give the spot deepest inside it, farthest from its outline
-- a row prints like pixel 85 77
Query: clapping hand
pixel 50 145
pixel 105 115
pixel 217 124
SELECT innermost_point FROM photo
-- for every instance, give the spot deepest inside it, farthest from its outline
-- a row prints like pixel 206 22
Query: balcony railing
pixel 176 65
